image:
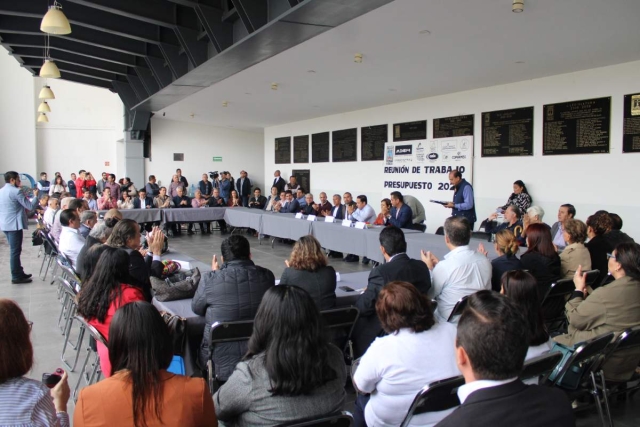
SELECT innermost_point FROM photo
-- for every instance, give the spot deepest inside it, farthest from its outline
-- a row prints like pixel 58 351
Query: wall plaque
pixel 372 140
pixel 301 149
pixel 631 129
pixel 577 127
pixel 448 127
pixel 320 147
pixel 283 150
pixel 410 131
pixel 507 133
pixel 345 145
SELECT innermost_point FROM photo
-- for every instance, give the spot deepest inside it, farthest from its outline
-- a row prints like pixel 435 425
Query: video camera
pixel 214 175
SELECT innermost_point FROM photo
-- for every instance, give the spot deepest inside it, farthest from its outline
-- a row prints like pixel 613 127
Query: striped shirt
pixel 28 403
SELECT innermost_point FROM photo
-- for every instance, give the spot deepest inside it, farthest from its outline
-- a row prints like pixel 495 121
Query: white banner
pixel 421 169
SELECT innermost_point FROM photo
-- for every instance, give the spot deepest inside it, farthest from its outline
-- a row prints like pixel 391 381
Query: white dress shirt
pixel 558 239
pixel 462 272
pixel 48 216
pixel 366 214
pixel 71 242
pixel 465 391
pixel 395 367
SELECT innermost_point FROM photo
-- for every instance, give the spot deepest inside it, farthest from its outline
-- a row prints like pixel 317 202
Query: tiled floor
pixel 38 300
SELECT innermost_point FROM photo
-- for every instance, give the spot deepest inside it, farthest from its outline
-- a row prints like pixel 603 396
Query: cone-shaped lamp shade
pixel 46 93
pixel 49 70
pixel 54 22
pixel 42 117
pixel 44 107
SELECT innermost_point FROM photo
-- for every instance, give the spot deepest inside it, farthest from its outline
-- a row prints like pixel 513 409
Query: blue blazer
pixel 404 217
pixel 292 207
pixel 13 202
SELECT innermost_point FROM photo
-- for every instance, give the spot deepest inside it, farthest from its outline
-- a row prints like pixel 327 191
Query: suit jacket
pixel 513 404
pixel 598 248
pixel 501 265
pixel 292 207
pixel 177 200
pixel 574 255
pixel 140 269
pixel 261 202
pixel 13 203
pixel 401 267
pixel 404 219
pixel 216 203
pixel 246 188
pixel 147 201
pixel 554 228
pixel 342 212
pixel 280 183
pixel 320 284
pixel 545 270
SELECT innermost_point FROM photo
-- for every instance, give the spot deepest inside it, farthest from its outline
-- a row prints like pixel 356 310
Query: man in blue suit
pixel 13 219
pixel 142 201
pixel 400 214
pixel 290 205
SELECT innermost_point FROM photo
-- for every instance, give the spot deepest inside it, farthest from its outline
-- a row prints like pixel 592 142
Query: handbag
pixel 571 378
pixel 177 330
pixel 180 285
pixel 169 267
pixel 36 238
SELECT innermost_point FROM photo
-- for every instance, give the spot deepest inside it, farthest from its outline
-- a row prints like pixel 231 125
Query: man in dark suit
pixel 491 345
pixel 243 187
pixel 290 205
pixel 181 201
pixel 400 215
pixel 258 201
pixel 215 201
pixel 338 212
pixel 398 266
pixel 278 182
pixel 142 201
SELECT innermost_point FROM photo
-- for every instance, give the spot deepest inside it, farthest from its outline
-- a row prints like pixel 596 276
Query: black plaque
pixel 631 129
pixel 577 127
pixel 507 133
pixel 320 147
pixel 345 145
pixel 301 149
pixel 410 131
pixel 303 177
pixel 283 150
pixel 372 140
pixel 448 127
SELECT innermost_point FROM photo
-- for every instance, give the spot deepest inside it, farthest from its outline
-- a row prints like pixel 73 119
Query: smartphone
pixel 51 380
pixel 347 289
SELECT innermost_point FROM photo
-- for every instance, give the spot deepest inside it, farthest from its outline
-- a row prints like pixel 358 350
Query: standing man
pixel 71 185
pixel 278 182
pixel 243 187
pixel 113 186
pixel 152 188
pixel 463 202
pixel 225 187
pixel 13 219
pixel 80 184
pixel 566 211
pixel 100 184
pixel 182 179
pixel 205 186
pixel 43 185
pixel 400 214
pixel 292 185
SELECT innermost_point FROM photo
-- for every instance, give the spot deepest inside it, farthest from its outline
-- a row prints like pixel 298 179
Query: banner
pixel 421 169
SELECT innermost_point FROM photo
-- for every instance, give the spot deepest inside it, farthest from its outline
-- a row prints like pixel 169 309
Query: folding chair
pixel 555 299
pixel 343 419
pixel 340 322
pixel 69 300
pixel 540 367
pixel 457 309
pixel 223 332
pixel 437 396
pixel 90 372
pixel 50 253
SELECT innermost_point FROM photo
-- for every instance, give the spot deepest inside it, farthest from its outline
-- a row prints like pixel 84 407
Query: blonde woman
pixel 575 254
pixel 506 246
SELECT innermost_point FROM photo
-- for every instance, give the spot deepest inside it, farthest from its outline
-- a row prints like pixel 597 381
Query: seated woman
pixel 541 258
pixel 98 236
pixel 128 188
pixel 598 246
pixel 107 290
pixel 506 246
pixel 141 392
pixel 610 308
pixel 512 222
pixel 520 197
pixel 522 288
pixel 575 254
pixel 274 385
pixel 234 200
pixel 126 235
pixel 418 350
pixel 307 268
pixel 125 201
pixel 23 401
pixel 385 209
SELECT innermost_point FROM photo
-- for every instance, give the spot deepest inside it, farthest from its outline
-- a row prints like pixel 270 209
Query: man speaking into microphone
pixel 463 203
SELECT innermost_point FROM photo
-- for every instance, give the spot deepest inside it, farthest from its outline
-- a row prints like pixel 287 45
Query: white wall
pixel 590 182
pixel 84 124
pixel 17 118
pixel 200 143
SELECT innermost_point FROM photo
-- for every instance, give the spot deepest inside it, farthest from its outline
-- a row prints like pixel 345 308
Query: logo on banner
pixel 458 157
pixel 449 146
pixel 464 145
pixel 420 153
pixel 404 150
pixel 389 155
pixel 433 156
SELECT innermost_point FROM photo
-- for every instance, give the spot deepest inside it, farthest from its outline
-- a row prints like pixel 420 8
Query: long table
pixel 139 215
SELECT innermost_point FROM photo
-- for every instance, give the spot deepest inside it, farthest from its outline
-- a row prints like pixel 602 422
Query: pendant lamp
pixel 44 107
pixel 49 70
pixel 55 22
pixel 42 117
pixel 46 93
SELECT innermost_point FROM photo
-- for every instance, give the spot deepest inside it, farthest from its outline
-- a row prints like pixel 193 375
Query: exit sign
pixel 217 159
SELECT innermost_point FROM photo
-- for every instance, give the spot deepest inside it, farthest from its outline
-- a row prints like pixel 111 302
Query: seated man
pixel 77 205
pixel 257 201
pixel 87 220
pixel 290 205
pixel 462 272
pixel 512 222
pixel 215 201
pixel 565 212
pixel 181 201
pixel 93 205
pixel 309 207
pixel 324 207
pixel 162 200
pixel 400 214
pixel 616 236
pixel 71 242
pixel 364 212
pixel 107 202
pixel 142 201
pixel 301 197
pixel 231 291
pixel 273 199
pixel 350 211
pixel 491 345
pixel 398 266
pixel 338 210
pixel 50 213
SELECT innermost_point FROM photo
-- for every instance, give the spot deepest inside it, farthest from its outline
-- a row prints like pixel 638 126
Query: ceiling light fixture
pixel 519 62
pixel 42 117
pixel 44 107
pixel 427 32
pixel 46 93
pixel 54 21
pixel 225 104
pixel 392 90
pixel 49 70
pixel 311 71
pixel 274 86
pixel 357 58
pixel 518 6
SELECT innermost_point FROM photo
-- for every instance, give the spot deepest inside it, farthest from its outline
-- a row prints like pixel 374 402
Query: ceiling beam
pixel 126 93
pixel 34 63
pixel 82 79
pixel 70 58
pixel 220 33
pixel 253 13
pixel 161 13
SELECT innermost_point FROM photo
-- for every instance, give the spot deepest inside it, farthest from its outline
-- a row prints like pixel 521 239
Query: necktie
pixel 397 213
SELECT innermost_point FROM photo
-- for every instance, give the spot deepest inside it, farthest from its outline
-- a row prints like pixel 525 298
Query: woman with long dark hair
pixel 105 291
pixel 520 197
pixel 598 246
pixel 57 186
pixel 541 258
pixel 291 370
pixel 141 392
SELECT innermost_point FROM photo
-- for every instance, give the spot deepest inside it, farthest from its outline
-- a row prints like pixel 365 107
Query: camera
pixel 213 175
pixel 51 380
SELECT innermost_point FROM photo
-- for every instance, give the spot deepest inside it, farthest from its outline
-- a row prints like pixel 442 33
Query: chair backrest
pixel 627 339
pixel 67 287
pixel 437 396
pixel 95 334
pixel 231 331
pixel 540 367
pixel 558 289
pixel 553 304
pixel 50 243
pixel 343 419
pixel 457 309
pixel 340 322
pixel 585 355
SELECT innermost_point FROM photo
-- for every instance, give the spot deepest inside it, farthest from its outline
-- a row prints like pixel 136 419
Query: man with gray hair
pixel 87 220
pixel 56 228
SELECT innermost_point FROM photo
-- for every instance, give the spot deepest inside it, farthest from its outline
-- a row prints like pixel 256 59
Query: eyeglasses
pixel 30 323
pixel 611 256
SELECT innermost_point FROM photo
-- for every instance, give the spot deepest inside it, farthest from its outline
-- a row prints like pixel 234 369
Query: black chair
pixel 556 298
pixel 457 309
pixel 540 367
pixel 440 231
pixel 340 322
pixel 625 345
pixel 343 419
pixel 483 235
pixel 223 332
pixel 437 396
pixel 50 254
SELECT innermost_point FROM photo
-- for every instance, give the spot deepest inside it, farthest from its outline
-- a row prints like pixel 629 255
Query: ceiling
pixel 470 44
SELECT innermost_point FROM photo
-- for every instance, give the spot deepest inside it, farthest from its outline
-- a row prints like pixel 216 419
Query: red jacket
pixel 80 184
